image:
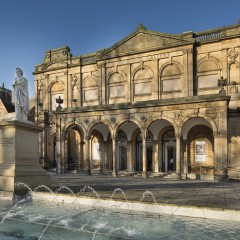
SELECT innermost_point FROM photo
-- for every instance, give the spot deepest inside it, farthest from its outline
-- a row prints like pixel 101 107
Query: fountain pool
pixel 56 221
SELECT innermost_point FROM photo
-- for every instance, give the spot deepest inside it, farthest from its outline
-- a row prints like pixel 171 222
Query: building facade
pixel 153 104
pixel 6 105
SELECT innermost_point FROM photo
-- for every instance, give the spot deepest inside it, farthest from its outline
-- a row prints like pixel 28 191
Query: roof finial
pixel 140 27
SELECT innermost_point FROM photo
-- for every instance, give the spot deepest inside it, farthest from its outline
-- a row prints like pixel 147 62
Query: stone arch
pixel 188 123
pixel 90 81
pixel 57 85
pixel 168 119
pixel 149 72
pixel 95 123
pixel 121 76
pixel 79 126
pixel 173 63
pixel 212 60
pixel 120 123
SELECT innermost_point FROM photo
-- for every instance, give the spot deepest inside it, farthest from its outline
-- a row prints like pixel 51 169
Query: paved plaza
pixel 221 195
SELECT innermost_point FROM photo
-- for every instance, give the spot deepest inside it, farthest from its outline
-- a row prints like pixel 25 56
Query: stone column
pixel 105 156
pixel 144 156
pixel 220 155
pixel 81 159
pixel 87 152
pixel 178 154
pixel 184 155
pixel 155 157
pixel 160 152
pixel 129 156
pixel 60 163
pixel 114 173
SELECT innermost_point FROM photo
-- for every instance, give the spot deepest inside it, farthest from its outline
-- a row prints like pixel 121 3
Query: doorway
pixel 169 151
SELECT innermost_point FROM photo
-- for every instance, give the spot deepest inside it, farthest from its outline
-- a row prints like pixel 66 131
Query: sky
pixel 28 28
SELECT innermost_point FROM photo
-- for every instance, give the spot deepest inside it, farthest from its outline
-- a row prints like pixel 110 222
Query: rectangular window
pixel 208 81
pixel 143 88
pixel 171 85
pixel 91 94
pixel 117 91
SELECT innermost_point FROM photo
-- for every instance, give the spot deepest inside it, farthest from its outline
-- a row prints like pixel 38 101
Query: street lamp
pixel 59 101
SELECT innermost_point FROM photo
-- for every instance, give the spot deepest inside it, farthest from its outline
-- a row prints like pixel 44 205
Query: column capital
pixel 87 138
pixel 178 135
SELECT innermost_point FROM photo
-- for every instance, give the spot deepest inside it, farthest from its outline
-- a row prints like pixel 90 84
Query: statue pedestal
pixel 19 155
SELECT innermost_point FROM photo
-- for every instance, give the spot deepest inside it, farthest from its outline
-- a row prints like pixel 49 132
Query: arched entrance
pixel 74 150
pixel 198 148
pixel 128 155
pixel 100 151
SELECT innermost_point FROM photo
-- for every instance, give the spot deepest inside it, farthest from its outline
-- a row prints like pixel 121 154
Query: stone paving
pixel 223 195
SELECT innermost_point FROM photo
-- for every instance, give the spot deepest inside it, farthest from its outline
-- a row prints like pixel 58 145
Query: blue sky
pixel 30 27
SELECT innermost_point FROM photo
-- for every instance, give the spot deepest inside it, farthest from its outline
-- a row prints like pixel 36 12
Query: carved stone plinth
pixel 19 155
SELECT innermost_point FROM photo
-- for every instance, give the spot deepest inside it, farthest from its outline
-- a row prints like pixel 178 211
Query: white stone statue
pixel 20 95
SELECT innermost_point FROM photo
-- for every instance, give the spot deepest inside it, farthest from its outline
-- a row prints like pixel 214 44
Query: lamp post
pixel 59 101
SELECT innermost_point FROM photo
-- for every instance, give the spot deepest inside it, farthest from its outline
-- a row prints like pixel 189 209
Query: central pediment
pixel 143 40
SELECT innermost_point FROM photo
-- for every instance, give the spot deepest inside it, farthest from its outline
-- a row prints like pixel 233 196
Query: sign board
pixel 200 150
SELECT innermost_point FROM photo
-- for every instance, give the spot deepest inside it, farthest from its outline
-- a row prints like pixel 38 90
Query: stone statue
pixel 20 95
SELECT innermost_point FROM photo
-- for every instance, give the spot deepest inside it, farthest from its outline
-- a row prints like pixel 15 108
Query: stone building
pixel 153 104
pixel 6 105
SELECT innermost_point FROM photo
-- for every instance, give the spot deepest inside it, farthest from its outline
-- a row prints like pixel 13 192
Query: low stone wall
pixel 141 207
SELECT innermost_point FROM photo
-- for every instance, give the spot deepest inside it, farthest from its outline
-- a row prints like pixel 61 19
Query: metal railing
pixel 208 36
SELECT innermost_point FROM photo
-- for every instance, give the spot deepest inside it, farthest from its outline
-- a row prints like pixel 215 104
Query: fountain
pixel 43 215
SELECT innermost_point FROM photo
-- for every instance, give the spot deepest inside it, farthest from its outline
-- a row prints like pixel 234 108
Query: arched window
pixel 90 89
pixel 142 82
pixel 56 92
pixel 116 84
pixel 171 79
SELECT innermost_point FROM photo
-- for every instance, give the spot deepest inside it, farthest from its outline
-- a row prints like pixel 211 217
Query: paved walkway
pixel 223 195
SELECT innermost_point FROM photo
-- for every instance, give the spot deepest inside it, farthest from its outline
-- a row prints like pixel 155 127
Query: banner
pixel 200 151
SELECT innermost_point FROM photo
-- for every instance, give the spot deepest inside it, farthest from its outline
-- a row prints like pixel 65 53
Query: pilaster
pixel 188 72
